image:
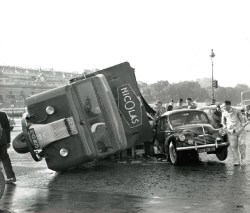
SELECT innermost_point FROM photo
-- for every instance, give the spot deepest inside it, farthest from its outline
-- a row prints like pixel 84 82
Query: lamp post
pixel 212 55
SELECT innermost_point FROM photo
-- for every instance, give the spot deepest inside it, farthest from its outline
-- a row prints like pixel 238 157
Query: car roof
pixel 180 110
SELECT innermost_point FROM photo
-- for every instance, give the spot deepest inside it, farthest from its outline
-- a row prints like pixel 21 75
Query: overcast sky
pixel 163 40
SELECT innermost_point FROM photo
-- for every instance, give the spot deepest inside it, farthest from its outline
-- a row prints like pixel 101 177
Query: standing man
pixel 4 145
pixel 233 121
pixel 190 104
pixel 179 104
pixel 159 109
pixel 216 115
pixel 170 106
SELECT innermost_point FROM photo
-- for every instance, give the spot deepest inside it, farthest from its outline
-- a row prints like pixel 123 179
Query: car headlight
pixel 182 137
pixel 50 110
pixel 222 132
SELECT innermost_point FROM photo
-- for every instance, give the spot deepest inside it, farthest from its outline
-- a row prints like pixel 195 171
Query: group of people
pixel 160 109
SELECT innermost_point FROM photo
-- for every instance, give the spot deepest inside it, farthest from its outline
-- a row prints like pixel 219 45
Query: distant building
pixel 16 84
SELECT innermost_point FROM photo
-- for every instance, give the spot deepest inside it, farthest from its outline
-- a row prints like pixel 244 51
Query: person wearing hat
pixel 233 121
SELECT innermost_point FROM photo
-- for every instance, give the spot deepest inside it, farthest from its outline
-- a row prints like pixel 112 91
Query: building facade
pixel 16 84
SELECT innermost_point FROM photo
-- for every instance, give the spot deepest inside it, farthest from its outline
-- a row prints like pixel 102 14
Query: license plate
pixel 33 138
pixel 209 149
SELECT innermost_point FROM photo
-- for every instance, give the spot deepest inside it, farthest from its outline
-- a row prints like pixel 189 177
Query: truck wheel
pixel 173 154
pixel 19 144
pixel 221 154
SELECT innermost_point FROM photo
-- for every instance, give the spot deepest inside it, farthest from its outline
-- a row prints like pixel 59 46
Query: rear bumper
pixel 196 147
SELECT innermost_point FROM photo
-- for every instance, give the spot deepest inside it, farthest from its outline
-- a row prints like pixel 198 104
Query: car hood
pixel 196 129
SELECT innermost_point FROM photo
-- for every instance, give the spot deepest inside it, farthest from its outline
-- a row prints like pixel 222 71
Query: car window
pixel 184 118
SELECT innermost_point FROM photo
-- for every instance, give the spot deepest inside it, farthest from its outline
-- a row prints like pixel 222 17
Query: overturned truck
pixel 94 116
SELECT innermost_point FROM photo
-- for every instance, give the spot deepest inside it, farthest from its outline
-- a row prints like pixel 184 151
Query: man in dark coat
pixel 4 145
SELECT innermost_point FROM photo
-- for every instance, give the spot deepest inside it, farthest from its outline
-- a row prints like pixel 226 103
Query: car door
pixel 163 129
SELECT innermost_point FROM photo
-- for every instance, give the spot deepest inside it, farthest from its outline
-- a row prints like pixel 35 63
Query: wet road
pixel 140 186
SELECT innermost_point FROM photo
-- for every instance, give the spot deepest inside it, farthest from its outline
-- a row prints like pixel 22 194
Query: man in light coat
pixel 233 121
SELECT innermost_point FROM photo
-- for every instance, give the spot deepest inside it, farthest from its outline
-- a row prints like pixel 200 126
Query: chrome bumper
pixel 196 147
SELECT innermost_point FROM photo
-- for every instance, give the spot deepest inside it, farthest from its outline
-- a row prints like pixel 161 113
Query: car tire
pixel 221 154
pixel 173 154
pixel 19 144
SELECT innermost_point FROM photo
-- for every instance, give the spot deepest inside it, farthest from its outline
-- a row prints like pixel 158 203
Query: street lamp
pixel 212 55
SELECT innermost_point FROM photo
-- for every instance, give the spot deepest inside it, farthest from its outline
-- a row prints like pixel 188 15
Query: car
pixel 189 131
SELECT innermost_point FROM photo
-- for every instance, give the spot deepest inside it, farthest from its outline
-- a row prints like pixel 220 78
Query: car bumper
pixel 196 147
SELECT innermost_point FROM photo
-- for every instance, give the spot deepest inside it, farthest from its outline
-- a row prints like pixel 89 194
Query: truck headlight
pixel 50 110
pixel 64 152
pixel 182 137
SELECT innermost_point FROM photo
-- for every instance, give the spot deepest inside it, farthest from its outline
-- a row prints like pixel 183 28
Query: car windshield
pixel 186 117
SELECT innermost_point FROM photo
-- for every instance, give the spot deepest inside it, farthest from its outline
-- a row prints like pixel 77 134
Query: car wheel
pixel 173 155
pixel 221 154
pixel 19 144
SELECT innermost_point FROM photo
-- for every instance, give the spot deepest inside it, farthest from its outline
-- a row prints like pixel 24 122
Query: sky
pixel 162 39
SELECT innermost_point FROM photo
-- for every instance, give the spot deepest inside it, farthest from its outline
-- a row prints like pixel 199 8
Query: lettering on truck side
pixel 129 105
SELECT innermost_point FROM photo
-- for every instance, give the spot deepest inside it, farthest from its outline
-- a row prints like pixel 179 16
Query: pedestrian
pixel 233 121
pixel 170 106
pixel 160 110
pixel 216 115
pixel 179 104
pixel 4 145
pixel 190 104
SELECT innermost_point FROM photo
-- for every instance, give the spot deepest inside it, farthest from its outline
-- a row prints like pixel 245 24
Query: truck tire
pixel 19 144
